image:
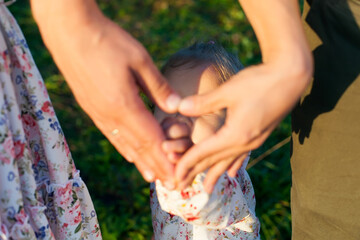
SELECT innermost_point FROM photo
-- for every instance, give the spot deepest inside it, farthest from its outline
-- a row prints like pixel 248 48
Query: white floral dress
pixel 192 214
pixel 41 193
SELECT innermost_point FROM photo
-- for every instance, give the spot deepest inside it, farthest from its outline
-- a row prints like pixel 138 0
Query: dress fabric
pixel 193 214
pixel 41 193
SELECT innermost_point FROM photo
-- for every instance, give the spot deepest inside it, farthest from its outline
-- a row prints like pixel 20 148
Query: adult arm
pixel 256 98
pixel 105 68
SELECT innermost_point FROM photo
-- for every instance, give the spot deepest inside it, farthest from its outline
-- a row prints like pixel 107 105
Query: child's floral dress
pixel 41 193
pixel 193 214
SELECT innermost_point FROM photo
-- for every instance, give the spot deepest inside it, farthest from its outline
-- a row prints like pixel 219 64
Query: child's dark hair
pixel 225 63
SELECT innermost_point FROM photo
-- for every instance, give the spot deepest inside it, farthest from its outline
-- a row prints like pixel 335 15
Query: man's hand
pixel 106 68
pixel 257 98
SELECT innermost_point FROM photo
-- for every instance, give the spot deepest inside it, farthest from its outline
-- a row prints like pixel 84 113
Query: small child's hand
pixel 178 134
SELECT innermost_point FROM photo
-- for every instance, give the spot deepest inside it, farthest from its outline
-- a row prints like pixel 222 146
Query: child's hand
pixel 177 131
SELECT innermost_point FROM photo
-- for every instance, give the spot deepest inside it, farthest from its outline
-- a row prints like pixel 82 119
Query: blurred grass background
pixel 120 195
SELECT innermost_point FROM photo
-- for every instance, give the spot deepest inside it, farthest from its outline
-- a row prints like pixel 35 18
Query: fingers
pixel 204 164
pixel 177 130
pixel 199 154
pixel 122 136
pixel 141 134
pixel 147 174
pixel 174 157
pixel 177 145
pixel 201 104
pixel 156 86
pixel 215 172
pixel 236 165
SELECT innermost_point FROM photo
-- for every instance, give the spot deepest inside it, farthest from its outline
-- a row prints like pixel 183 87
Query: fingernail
pixel 169 185
pixel 165 146
pixel 173 101
pixel 149 175
pixel 186 105
pixel 208 188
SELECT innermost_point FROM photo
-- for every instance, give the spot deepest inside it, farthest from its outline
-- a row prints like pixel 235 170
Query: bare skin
pixel 257 98
pixel 78 35
pixel 183 132
pixel 105 68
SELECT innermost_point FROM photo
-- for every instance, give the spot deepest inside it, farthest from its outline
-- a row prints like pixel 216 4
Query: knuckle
pixel 160 87
pixel 144 147
pixel 258 142
pixel 140 57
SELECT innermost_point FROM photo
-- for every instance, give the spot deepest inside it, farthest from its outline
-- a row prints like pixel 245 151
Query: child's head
pixel 223 63
pixel 198 69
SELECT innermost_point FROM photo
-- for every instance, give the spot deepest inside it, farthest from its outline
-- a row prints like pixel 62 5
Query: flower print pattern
pixel 227 213
pixel 41 193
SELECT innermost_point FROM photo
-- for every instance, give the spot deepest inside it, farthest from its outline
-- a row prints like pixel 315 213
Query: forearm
pixel 277 25
pixel 77 34
pixel 69 16
pixel 66 20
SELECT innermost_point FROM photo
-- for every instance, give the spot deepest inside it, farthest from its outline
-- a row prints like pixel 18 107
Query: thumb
pixel 156 87
pixel 197 105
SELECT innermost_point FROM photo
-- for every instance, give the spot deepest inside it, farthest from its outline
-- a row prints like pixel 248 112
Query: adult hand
pixel 105 68
pixel 256 98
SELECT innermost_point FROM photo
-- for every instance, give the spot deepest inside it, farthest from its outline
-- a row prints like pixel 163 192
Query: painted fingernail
pixel 149 175
pixel 173 101
pixel 186 105
pixel 169 185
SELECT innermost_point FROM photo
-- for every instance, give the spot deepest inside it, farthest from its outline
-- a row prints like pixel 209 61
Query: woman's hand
pixel 256 98
pixel 106 68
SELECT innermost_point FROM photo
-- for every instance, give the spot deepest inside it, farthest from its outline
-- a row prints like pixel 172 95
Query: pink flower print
pixel 21 216
pixel 28 121
pixel 23 59
pixel 228 188
pixel 188 193
pixel 43 89
pixel 185 194
pixel 4 230
pixel 30 125
pixel 19 149
pixel 9 151
pixel 4 159
pixel 66 147
pixel 73 214
pixel 190 217
pixel 26 66
pixel 63 196
pixel 5 57
pixel 63 231
pixel 46 107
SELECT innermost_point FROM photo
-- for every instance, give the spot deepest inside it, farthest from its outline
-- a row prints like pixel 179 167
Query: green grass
pixel 120 195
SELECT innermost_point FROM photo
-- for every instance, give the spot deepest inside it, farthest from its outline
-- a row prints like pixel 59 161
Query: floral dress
pixel 41 193
pixel 193 214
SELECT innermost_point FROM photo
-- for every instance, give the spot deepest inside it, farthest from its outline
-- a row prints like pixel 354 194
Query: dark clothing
pixel 325 195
